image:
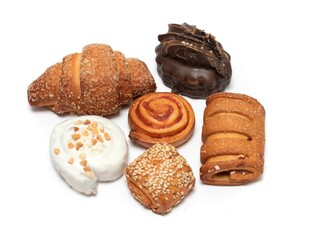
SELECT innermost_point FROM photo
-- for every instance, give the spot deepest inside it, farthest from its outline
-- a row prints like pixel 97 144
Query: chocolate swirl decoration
pixel 161 117
pixel 192 62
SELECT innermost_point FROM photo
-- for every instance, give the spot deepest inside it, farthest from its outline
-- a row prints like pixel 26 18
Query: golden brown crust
pixel 125 89
pixel 161 117
pixel 69 85
pixel 233 136
pixel 99 81
pixel 160 178
pixel 44 90
pixel 142 81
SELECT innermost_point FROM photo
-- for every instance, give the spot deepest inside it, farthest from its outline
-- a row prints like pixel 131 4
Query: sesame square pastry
pixel 160 178
pixel 233 137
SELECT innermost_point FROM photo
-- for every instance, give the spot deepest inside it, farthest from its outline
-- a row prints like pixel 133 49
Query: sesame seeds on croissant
pixel 96 81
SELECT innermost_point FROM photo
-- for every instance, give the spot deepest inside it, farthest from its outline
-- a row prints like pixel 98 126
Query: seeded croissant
pixel 97 81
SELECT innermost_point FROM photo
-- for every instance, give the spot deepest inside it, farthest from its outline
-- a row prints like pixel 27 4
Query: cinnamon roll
pixel 233 137
pixel 161 117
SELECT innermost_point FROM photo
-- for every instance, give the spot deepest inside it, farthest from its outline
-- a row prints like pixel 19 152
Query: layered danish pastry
pixel 160 178
pixel 86 150
pixel 233 137
pixel 161 117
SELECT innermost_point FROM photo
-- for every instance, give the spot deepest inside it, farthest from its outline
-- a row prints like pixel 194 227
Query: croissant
pixel 233 136
pixel 97 81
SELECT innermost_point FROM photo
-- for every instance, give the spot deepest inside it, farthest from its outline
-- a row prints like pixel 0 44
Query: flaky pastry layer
pixel 233 137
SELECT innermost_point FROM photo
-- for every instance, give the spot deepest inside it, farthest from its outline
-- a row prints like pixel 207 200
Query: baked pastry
pixel 97 81
pixel 160 178
pixel 161 117
pixel 88 149
pixel 192 62
pixel 233 137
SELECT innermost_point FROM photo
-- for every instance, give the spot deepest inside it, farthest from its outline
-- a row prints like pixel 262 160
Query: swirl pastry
pixel 160 178
pixel 86 150
pixel 192 62
pixel 161 117
pixel 233 137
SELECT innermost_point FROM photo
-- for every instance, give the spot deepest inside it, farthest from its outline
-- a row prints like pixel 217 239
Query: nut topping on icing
pixel 101 155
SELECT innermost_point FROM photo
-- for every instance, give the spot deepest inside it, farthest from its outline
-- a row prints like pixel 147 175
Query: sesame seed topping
pixel 163 171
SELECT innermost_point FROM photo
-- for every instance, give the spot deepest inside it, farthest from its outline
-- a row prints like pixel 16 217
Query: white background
pixel 269 45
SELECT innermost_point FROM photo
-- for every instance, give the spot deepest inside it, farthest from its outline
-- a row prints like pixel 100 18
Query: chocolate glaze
pixel 192 62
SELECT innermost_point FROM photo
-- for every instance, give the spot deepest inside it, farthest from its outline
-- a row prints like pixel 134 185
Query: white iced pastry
pixel 88 149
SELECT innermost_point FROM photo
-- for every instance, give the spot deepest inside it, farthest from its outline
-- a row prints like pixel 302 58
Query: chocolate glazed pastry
pixel 233 137
pixel 192 62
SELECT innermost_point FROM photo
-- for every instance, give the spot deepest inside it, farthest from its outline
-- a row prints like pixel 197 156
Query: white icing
pixel 106 160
